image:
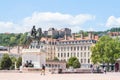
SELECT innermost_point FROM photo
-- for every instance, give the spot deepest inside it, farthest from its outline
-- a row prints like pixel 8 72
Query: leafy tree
pixel 13 59
pixel 106 50
pixel 5 62
pixel 56 59
pixel 74 62
pixel 19 62
pixel 12 41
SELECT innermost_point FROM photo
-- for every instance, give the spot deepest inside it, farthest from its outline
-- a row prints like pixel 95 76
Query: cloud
pixel 57 20
pixel 113 22
pixel 46 20
pixel 6 26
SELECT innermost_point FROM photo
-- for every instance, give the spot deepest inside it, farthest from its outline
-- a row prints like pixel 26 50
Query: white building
pixel 35 54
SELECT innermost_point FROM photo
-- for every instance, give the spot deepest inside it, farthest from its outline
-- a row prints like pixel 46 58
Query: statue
pixel 34 35
pixel 33 32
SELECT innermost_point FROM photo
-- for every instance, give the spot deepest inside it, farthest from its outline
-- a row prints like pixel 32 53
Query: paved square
pixel 37 76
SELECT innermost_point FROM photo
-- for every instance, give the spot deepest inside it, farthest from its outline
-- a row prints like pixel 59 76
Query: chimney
pixel 90 34
pixel 73 36
pixel 93 36
pixel 65 36
pixel 81 35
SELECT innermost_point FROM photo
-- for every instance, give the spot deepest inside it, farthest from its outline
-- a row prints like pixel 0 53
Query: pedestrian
pixel 105 70
pixel 92 68
pixel 43 69
pixel 20 69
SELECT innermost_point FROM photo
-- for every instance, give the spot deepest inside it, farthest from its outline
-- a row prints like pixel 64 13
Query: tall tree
pixel 13 59
pixel 106 50
pixel 5 62
pixel 19 62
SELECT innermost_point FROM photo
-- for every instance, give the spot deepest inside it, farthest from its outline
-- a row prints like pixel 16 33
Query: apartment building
pixel 67 47
pixel 76 47
pixel 70 46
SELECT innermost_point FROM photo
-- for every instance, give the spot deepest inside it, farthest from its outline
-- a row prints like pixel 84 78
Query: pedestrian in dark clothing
pixel 43 70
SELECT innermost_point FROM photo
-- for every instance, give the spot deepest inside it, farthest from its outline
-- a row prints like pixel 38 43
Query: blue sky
pixel 21 15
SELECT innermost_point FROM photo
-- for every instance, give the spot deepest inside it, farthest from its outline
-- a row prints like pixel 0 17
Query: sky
pixel 18 16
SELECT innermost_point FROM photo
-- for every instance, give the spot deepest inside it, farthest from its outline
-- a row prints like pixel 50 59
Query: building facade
pixel 68 47
pixel 75 48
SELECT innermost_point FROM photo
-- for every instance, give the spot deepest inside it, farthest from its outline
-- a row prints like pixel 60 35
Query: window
pixel 84 54
pixel 71 48
pixel 84 60
pixel 84 47
pixel 68 55
pixel 78 54
pixel 74 48
pixel 81 54
pixel 58 54
pixel 61 54
pixel 81 48
pixel 78 48
pixel 64 54
pixel 37 46
pixel 88 48
pixel 81 60
pixel 88 60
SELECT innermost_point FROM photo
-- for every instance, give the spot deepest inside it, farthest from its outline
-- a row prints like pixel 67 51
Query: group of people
pixel 98 69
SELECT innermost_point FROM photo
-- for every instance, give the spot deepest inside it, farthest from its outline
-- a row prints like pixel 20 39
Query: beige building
pixel 55 64
pixel 76 47
pixel 12 51
pixel 68 47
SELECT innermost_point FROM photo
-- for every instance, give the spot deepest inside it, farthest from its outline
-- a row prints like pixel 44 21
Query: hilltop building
pixel 55 32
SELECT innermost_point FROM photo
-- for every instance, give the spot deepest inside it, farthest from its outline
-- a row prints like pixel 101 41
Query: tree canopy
pixel 74 62
pixel 19 62
pixel 106 50
pixel 5 62
pixel 12 39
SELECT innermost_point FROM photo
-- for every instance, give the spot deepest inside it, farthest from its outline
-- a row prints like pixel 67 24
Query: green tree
pixel 13 59
pixel 106 50
pixel 74 62
pixel 56 59
pixel 5 62
pixel 19 62
pixel 12 41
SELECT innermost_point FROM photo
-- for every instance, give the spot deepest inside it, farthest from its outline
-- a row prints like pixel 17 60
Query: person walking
pixel 43 70
pixel 105 70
